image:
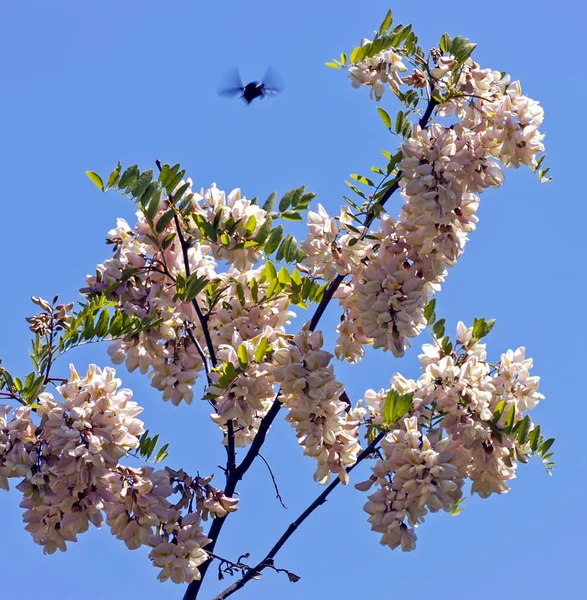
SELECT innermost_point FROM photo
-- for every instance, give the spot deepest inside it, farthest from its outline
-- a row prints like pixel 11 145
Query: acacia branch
pixel 230 447
pixel 237 474
pixel 267 562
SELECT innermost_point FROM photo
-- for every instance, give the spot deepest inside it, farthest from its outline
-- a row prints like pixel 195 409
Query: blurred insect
pixel 233 86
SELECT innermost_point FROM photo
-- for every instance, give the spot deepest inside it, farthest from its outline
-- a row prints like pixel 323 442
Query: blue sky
pixel 87 84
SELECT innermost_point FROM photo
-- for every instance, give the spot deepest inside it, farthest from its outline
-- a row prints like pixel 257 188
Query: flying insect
pixel 270 85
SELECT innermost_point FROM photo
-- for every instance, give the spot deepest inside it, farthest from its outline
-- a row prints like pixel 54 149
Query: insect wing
pixel 232 84
pixel 272 82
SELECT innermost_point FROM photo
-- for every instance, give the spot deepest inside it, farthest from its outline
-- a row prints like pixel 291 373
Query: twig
pixel 278 495
pixel 321 499
pixel 200 352
pixel 50 346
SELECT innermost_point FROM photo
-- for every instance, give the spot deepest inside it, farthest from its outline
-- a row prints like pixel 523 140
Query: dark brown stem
pixel 231 483
pixel 267 562
pixel 277 494
pixel 51 338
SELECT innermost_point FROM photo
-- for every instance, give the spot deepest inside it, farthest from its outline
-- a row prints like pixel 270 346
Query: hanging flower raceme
pixel 68 464
pixel 467 422
pixel 313 396
pixel 377 71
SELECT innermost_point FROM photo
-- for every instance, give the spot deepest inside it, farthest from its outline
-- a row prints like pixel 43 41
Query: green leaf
pixel 461 49
pixel 446 345
pixel 498 411
pixel 362 179
pixel 254 287
pixel 164 221
pixel 96 180
pixel 148 194
pixel 457 507
pixel 194 286
pixel 384 117
pixel 396 406
pixel 429 312
pixel 332 65
pixel 250 225
pixel 240 293
pixel 509 419
pixel 445 42
pixel 534 438
pixel 284 247
pixel 286 201
pixel 438 328
pixel 524 430
pixel 173 182
pixel 386 24
pixel 274 240
pixel 291 215
pixel 181 191
pixel 102 324
pixel 162 454
pixel 356 190
pixel 243 357
pixel 343 59
pixel 153 207
pixel 270 202
pixel 270 271
pixel 544 447
pixel 283 276
pixel 264 231
pixel 114 176
pixel 140 185
pixel 261 350
pixel 128 177
pixel 482 328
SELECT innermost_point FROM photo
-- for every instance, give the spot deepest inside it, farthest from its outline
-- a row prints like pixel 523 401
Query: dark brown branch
pixel 277 494
pixel 267 562
pixel 232 481
pixel 230 447
pixel 200 352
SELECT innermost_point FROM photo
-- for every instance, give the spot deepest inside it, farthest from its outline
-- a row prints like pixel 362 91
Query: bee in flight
pixel 270 85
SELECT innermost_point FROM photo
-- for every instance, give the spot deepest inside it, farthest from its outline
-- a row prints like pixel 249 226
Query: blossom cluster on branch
pixel 460 428
pixel 199 295
pixel 66 451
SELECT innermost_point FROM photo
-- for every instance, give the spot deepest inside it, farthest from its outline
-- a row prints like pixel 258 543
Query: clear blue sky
pixel 84 84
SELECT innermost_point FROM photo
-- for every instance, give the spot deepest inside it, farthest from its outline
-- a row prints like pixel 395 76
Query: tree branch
pixel 277 494
pixel 232 481
pixel 230 447
pixel 321 499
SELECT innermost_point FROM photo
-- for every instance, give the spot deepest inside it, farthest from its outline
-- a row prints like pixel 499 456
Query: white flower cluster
pixel 68 464
pixel 377 71
pixel 328 245
pixel 243 395
pixel 313 396
pixel 450 436
pixel 443 170
pixel 141 278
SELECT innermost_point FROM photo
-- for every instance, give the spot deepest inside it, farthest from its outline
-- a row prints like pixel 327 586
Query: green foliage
pixel 98 319
pixel 458 507
pixel 147 447
pixel 541 173
pixel 384 117
pixel 461 49
pixel 396 406
pixel 96 180
pixel 481 329
pixel 301 290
